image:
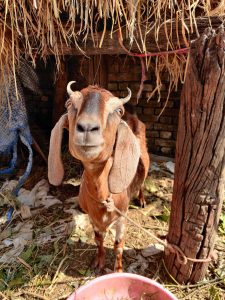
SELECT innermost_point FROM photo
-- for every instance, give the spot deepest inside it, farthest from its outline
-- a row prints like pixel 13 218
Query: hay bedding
pixel 58 246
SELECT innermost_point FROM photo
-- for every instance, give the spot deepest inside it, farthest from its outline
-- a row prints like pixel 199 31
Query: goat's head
pixel 94 122
pixel 94 115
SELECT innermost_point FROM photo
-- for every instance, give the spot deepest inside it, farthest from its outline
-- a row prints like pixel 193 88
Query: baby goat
pixel 114 155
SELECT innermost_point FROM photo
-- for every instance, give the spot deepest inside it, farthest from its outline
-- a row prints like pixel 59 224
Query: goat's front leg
pixel 119 243
pixel 99 262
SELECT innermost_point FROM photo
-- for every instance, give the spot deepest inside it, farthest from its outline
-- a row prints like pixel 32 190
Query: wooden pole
pixel 200 158
pixel 60 95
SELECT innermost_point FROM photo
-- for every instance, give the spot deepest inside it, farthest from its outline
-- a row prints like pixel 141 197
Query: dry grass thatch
pixel 31 28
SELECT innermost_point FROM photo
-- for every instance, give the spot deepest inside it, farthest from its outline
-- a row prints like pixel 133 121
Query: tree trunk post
pixel 200 158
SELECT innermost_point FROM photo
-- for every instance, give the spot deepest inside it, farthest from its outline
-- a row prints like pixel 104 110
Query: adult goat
pixel 114 155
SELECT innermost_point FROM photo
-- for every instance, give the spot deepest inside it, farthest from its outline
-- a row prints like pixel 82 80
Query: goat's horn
pixel 68 88
pixel 127 98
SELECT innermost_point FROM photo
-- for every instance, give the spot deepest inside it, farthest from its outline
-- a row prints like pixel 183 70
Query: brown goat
pixel 114 156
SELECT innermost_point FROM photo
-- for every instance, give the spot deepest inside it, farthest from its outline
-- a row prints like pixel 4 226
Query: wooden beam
pixel 111 45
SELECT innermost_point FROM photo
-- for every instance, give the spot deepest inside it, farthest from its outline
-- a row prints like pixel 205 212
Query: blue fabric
pixel 9 214
pixel 12 163
pixel 13 119
pixel 10 131
pixel 22 179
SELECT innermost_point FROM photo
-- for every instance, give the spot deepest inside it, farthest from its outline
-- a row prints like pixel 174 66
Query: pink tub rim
pixel 122 275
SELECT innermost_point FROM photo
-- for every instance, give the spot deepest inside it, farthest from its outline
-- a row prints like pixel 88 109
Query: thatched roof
pixel 51 27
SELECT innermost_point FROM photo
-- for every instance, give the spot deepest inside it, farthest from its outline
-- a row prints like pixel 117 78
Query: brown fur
pixel 115 157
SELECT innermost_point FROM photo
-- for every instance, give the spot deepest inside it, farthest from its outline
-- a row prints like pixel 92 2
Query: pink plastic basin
pixel 122 286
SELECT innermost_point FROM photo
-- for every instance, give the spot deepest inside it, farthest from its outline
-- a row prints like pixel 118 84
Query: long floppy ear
pixel 125 161
pixel 55 165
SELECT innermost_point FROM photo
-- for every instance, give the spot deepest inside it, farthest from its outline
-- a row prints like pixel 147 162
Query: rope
pixel 171 248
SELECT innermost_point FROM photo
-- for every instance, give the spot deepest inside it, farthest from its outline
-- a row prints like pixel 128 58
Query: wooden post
pixel 60 95
pixel 200 158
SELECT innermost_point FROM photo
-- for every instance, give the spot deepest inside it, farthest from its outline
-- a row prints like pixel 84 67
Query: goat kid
pixel 114 156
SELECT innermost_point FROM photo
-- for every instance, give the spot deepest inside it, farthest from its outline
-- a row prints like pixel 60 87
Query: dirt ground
pixel 57 259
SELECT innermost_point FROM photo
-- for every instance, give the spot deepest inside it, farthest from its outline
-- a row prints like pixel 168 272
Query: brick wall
pixel 125 72
pixel 119 72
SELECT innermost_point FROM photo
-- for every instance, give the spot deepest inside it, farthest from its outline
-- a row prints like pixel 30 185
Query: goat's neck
pixel 95 180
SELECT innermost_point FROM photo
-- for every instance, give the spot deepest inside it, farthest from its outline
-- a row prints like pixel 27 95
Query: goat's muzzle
pixel 88 141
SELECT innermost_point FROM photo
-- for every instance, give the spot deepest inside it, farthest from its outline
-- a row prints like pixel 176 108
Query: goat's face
pixel 95 133
pixel 94 115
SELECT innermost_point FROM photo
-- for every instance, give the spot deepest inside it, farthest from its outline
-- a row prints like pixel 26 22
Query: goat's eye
pixel 119 111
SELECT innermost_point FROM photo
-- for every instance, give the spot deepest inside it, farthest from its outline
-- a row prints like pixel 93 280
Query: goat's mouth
pixel 89 150
pixel 88 146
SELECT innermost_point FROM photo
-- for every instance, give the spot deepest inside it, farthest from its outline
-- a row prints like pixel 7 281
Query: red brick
pixel 148 118
pixel 148 111
pixel 150 103
pixel 113 65
pixel 136 86
pixel 165 134
pixel 166 127
pixel 168 112
pixel 165 120
pixel 152 147
pixel 152 134
pixel 169 104
pixel 167 150
pixel 123 94
pixel 165 143
pixel 129 66
pixel 148 87
pixel 112 86
pixel 149 125
pixel 138 110
pixel 123 86
pixel 116 93
pixel 131 76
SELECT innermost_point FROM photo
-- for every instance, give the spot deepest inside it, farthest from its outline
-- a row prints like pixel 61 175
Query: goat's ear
pixel 55 165
pixel 125 161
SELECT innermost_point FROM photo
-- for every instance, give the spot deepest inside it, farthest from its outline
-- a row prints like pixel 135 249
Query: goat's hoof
pixel 98 264
pixel 142 202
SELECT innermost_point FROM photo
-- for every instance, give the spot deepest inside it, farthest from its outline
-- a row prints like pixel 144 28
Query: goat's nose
pixel 87 127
